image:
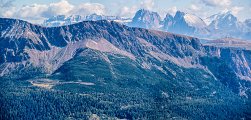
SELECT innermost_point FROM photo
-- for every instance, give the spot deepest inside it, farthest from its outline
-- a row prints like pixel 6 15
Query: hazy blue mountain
pixel 168 22
pixel 223 21
pixel 146 19
pixel 184 23
pixel 95 17
pixel 61 20
pixel 220 25
pixel 225 24
pixel 106 70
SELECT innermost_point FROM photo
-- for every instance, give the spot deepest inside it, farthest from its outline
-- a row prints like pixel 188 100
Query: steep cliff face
pixel 24 45
pixel 231 66
pixel 146 19
pixel 184 23
pixel 168 22
pixel 235 52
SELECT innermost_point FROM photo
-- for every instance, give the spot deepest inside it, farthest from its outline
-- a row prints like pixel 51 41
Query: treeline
pixel 18 100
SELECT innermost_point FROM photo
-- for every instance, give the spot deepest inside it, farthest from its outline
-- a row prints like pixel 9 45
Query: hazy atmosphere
pixel 38 10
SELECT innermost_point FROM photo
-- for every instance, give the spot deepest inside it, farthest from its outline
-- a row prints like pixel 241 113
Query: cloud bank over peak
pixel 39 12
pixel 36 12
pixel 129 11
pixel 217 3
pixel 147 4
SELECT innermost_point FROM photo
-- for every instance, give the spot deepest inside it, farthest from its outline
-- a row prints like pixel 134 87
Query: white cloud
pixel 172 10
pixel 89 8
pixel 61 8
pixel 31 12
pixel 8 13
pixel 235 10
pixel 197 10
pixel 6 3
pixel 127 11
pixel 40 12
pixel 194 7
pixel 217 3
pixel 6 7
pixel 147 4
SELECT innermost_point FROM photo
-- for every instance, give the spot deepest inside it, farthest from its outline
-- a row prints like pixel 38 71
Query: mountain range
pixel 106 70
pixel 62 20
pixel 220 25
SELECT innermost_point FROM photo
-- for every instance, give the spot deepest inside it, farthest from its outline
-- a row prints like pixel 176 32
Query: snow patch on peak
pixel 225 12
pixel 61 20
pixel 194 21
pixel 210 19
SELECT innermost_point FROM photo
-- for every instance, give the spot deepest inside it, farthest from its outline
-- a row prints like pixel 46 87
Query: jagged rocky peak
pixel 179 15
pixel 146 19
pixel 228 15
pixel 218 16
pixel 224 20
pixel 62 20
pixel 225 24
pixel 94 17
pixel 75 17
pixel 185 23
pixel 168 21
pixel 190 19
pixel 168 17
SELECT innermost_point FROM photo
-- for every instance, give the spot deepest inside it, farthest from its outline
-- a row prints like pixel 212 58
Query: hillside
pixel 102 69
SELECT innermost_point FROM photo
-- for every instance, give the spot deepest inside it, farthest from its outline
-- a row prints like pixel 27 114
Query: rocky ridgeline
pixel 24 45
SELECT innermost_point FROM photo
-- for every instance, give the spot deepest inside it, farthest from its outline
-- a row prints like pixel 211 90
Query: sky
pixel 38 10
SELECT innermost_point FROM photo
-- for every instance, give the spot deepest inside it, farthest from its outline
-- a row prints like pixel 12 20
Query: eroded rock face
pixel 146 19
pixel 184 23
pixel 237 59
